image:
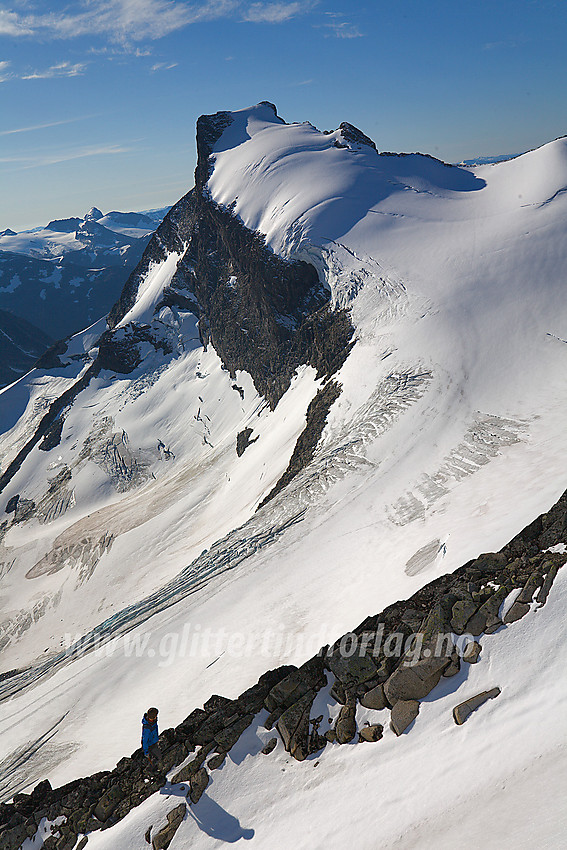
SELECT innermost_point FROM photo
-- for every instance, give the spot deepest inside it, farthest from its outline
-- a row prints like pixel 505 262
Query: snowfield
pixel 447 439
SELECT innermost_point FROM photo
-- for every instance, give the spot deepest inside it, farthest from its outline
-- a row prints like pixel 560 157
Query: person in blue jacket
pixel 150 735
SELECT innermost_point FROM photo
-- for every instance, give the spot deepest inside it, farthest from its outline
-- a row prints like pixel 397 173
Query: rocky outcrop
pixel 345 727
pixel 101 800
pixel 416 681
pixel 375 698
pixel 293 726
pixel 352 134
pixel 270 746
pixel 472 652
pixel 367 666
pixel 197 784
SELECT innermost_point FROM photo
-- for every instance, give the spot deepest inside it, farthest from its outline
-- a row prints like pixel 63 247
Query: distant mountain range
pixel 21 343
pixel 58 279
pixel 489 160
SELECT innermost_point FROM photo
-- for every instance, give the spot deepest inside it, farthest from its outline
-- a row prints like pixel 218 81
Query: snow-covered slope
pixel 446 439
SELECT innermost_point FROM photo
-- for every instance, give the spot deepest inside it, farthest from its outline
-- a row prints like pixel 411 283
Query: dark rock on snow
pixel 345 727
pixel 164 837
pixel 243 441
pixel 371 733
pixel 270 746
pixel 464 710
pixel 404 712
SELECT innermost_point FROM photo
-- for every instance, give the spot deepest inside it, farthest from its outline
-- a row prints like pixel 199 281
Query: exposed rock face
pixel 198 783
pixel 270 746
pixel 293 726
pixel 309 437
pixel 216 761
pixel 472 652
pixel 289 704
pixel 541 598
pixel 12 504
pixel 415 682
pixel 353 134
pixel 516 612
pixel 374 698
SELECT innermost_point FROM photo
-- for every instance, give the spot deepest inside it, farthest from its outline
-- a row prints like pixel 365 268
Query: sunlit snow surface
pixel 449 436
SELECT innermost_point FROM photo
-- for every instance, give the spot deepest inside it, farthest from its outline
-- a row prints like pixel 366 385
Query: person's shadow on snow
pixel 216 822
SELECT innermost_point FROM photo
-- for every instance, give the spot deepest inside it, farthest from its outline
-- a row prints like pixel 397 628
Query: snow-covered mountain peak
pixel 535 177
pixel 334 376
pixel 296 184
pixel 243 124
pixel 93 214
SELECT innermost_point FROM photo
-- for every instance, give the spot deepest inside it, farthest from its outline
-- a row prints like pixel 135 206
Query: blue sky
pixel 99 98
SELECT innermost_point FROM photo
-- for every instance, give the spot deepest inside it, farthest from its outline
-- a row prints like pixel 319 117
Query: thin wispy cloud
pixel 5 74
pixel 125 21
pixel 44 126
pixel 163 66
pixel 337 27
pixel 343 29
pixel 62 69
pixel 275 13
pixel 43 159
pixel 13 24
pixel 118 19
pixel 499 45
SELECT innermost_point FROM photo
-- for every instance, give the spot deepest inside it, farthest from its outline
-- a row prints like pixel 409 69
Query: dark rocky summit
pixel 353 134
pixel 373 675
pixel 262 314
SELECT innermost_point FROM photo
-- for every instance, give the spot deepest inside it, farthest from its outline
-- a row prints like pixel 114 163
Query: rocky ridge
pixel 473 601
